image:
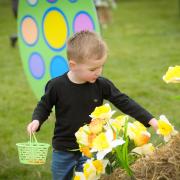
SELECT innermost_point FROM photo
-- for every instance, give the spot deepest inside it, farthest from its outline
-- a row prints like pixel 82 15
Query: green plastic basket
pixel 32 152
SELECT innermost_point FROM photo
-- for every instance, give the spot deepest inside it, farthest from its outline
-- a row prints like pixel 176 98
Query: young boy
pixel 75 95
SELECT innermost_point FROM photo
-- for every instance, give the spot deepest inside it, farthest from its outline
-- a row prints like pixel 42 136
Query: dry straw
pixel 164 164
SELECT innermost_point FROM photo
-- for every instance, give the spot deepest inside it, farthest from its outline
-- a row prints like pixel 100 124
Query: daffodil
pixel 100 166
pixel 79 176
pixel 142 138
pixel 118 122
pixel 139 126
pixel 146 149
pixel 103 112
pixel 165 128
pixel 138 132
pixel 104 143
pixel 93 169
pixel 91 138
pixel 134 129
pixel 85 151
pixel 96 125
pixel 172 75
pixel 90 171
pixel 82 135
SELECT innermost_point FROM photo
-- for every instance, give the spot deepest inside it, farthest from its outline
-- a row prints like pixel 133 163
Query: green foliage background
pixel 143 40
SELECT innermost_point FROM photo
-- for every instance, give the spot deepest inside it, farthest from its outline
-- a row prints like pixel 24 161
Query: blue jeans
pixel 65 162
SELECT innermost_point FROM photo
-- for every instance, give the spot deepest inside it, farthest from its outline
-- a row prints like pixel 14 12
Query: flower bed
pixel 113 143
pixel 163 164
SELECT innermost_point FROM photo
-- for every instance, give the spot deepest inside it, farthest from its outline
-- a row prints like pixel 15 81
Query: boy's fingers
pixel 34 128
pixel 30 128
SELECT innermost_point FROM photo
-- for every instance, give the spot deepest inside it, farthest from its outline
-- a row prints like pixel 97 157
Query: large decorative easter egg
pixel 43 28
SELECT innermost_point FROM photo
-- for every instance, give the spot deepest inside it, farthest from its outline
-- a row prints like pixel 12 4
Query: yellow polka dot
pixel 55 29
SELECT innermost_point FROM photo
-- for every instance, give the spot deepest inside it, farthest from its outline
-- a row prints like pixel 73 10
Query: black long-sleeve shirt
pixel 75 102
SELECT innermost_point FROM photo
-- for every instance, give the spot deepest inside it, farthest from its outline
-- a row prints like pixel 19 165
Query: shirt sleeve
pixel 125 103
pixel 45 105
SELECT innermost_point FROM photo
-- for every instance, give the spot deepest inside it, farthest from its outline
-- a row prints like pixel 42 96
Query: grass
pixel 143 40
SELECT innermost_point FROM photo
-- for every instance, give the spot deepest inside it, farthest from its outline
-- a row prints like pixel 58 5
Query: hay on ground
pixel 164 164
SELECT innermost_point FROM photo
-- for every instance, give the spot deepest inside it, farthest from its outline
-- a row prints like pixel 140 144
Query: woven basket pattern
pixel 32 152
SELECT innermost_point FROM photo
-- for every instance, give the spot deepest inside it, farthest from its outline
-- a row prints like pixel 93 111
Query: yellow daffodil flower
pixel 82 135
pixel 101 142
pixel 90 171
pixel 142 138
pixel 85 151
pixel 104 143
pixel 91 138
pixel 139 126
pixel 103 112
pixel 79 176
pixel 135 129
pixel 138 132
pixel 93 169
pixel 165 128
pixel 118 122
pixel 172 75
pixel 100 166
pixel 96 125
pixel 146 149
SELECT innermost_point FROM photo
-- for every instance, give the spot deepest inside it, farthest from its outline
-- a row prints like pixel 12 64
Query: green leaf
pixel 122 152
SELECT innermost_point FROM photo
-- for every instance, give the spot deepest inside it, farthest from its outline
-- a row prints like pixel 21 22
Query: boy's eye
pixel 93 69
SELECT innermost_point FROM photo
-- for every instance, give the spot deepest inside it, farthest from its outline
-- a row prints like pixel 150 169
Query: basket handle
pixel 33 138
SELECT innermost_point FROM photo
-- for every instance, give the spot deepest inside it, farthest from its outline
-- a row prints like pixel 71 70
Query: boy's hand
pixel 33 126
pixel 154 123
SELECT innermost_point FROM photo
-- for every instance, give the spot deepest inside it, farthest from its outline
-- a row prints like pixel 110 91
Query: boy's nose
pixel 98 73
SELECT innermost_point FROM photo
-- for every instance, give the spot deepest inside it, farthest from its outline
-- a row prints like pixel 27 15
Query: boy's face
pixel 88 71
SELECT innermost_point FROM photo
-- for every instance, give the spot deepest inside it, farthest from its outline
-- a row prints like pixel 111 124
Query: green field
pixel 143 40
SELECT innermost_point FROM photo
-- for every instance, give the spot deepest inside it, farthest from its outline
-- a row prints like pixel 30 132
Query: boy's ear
pixel 72 64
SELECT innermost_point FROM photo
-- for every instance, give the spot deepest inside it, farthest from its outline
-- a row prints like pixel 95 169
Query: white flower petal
pixel 137 150
pixel 93 150
pixel 164 118
pixel 100 155
pixel 117 142
pixel 109 134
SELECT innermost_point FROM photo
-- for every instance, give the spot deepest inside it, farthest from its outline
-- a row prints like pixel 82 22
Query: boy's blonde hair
pixel 86 45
